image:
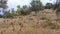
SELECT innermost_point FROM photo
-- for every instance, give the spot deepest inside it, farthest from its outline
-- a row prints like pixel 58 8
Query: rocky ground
pixel 30 24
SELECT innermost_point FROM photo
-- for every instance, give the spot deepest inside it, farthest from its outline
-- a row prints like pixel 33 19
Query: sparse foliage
pixel 13 12
pixel 36 5
pixel 48 6
pixel 25 10
pixel 8 15
pixel 57 8
pixel 18 12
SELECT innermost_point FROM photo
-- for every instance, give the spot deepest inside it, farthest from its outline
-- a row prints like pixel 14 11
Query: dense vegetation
pixel 35 5
pixel 25 10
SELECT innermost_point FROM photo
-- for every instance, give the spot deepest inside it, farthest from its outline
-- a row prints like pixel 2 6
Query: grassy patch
pixel 18 32
pixel 48 23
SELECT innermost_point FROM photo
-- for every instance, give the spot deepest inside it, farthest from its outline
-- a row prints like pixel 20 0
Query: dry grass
pixel 29 24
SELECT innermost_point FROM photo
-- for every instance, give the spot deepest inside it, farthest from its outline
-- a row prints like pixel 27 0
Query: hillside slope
pixel 30 24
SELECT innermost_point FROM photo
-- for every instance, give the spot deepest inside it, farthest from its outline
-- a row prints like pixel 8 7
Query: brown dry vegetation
pixel 31 24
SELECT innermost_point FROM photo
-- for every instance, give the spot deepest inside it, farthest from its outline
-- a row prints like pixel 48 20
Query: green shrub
pixel 13 12
pixel 1 16
pixel 56 6
pixel 48 6
pixel 25 12
pixel 18 12
pixel 36 5
pixel 47 22
pixel 7 15
pixel 58 11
